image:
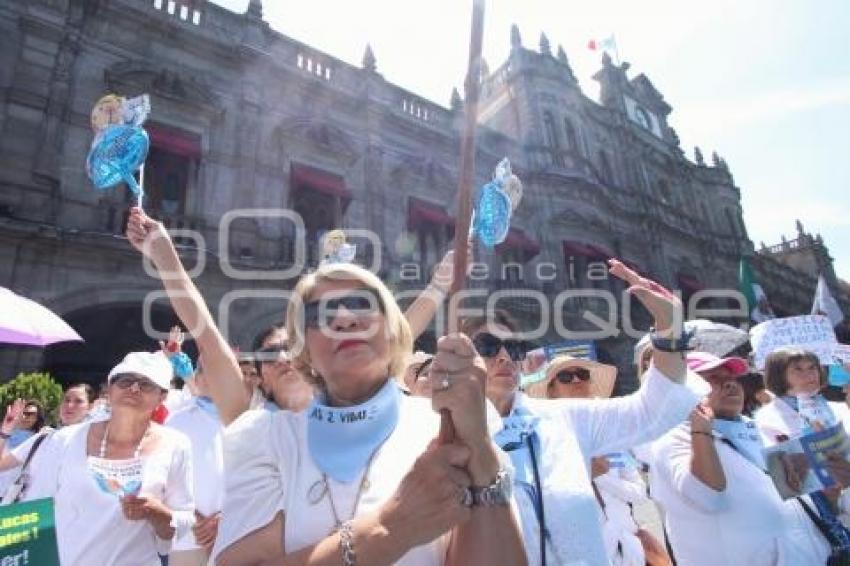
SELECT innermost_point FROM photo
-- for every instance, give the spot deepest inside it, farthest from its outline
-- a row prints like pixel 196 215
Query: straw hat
pixel 602 377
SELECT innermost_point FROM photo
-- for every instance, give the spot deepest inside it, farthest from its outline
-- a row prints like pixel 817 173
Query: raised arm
pixel 223 374
pixel 421 312
pixel 14 412
pixel 667 312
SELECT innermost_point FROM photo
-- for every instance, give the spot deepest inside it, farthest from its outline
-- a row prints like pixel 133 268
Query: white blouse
pixel 268 469
pixel 571 431
pixel 205 435
pixel 90 526
pixel 747 524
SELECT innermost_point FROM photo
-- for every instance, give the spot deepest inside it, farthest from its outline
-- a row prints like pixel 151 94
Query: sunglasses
pixel 489 346
pixel 127 381
pixel 567 376
pixel 30 413
pixel 362 302
pixel 271 354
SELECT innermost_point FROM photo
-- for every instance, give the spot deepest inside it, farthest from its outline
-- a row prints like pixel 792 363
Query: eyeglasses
pixel 362 302
pixel 127 381
pixel 567 376
pixel 30 413
pixel 489 346
pixel 272 353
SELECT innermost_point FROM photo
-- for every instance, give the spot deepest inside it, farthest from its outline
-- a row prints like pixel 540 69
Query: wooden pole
pixel 465 181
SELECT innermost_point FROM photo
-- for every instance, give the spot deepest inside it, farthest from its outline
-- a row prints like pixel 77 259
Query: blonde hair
pixel 398 329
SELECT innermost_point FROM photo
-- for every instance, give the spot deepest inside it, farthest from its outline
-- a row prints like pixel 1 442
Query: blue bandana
pixel 206 404
pixel 518 427
pixel 343 439
pixel 744 436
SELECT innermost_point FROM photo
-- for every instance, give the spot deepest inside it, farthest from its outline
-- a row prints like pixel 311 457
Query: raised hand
pixel 663 304
pixel 14 414
pixel 457 385
pixel 443 274
pixel 702 419
pixel 148 236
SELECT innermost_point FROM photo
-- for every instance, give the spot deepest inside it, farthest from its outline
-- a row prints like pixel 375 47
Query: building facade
pixel 249 126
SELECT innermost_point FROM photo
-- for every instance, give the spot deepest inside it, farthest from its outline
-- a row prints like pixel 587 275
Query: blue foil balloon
pixel 492 215
pixel 116 155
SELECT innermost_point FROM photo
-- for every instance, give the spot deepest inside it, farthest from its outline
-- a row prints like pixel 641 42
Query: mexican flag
pixel 757 303
pixel 606 44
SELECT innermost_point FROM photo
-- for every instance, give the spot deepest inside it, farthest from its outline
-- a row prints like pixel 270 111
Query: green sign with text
pixel 28 534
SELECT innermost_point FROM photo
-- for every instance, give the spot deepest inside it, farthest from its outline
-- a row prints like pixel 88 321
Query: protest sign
pixel 809 332
pixel 798 466
pixel 584 349
pixel 28 534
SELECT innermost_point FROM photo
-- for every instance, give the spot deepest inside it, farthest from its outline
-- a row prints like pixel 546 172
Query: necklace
pixel 103 442
pixel 322 487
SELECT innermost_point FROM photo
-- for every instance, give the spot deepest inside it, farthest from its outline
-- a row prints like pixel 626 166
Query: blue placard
pixel 585 349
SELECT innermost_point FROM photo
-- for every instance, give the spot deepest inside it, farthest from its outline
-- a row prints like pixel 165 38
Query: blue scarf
pixel 744 436
pixel 517 427
pixel 206 404
pixel 341 440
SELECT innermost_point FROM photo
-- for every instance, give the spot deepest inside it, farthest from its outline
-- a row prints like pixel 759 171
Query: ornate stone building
pixel 247 118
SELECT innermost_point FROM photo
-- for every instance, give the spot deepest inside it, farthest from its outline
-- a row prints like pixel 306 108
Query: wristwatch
pixel 681 344
pixel 497 493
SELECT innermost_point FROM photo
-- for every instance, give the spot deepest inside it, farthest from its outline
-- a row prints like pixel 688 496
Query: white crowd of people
pixel 327 444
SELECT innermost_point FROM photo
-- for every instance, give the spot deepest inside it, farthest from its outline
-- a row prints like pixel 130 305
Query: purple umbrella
pixel 23 321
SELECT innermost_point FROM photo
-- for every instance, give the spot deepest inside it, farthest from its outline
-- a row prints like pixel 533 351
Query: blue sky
pixel 766 83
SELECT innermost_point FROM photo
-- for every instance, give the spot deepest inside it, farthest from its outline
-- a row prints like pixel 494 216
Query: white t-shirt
pixel 205 436
pixel 268 469
pixel 747 524
pixel 90 527
pixel 570 432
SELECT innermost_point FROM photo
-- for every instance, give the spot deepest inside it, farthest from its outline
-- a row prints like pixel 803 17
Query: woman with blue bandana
pixel 551 442
pixel 359 477
pixel 709 476
pixel 796 377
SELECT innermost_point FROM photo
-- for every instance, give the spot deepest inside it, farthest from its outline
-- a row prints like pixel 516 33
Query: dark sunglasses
pixel 127 381
pixel 489 346
pixel 567 376
pixel 362 302
pixel 271 354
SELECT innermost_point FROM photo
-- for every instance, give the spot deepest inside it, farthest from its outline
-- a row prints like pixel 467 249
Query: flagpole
pixel 616 49
pixel 466 179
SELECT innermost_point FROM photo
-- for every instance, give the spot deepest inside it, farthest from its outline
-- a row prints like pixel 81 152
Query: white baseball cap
pixel 152 365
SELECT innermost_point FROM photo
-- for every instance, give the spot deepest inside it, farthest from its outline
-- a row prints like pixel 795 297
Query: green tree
pixel 39 387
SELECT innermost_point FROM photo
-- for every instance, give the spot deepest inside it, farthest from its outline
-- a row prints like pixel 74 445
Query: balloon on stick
pixel 120 144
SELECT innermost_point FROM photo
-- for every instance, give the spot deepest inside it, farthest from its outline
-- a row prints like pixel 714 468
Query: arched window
pixel 551 133
pixel 552 138
pixel 572 138
pixel 605 167
pixel 733 226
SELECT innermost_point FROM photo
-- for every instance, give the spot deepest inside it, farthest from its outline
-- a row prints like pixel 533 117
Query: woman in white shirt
pixel 709 476
pixel 796 377
pixel 615 476
pixel 122 487
pixel 358 476
pixel 551 442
